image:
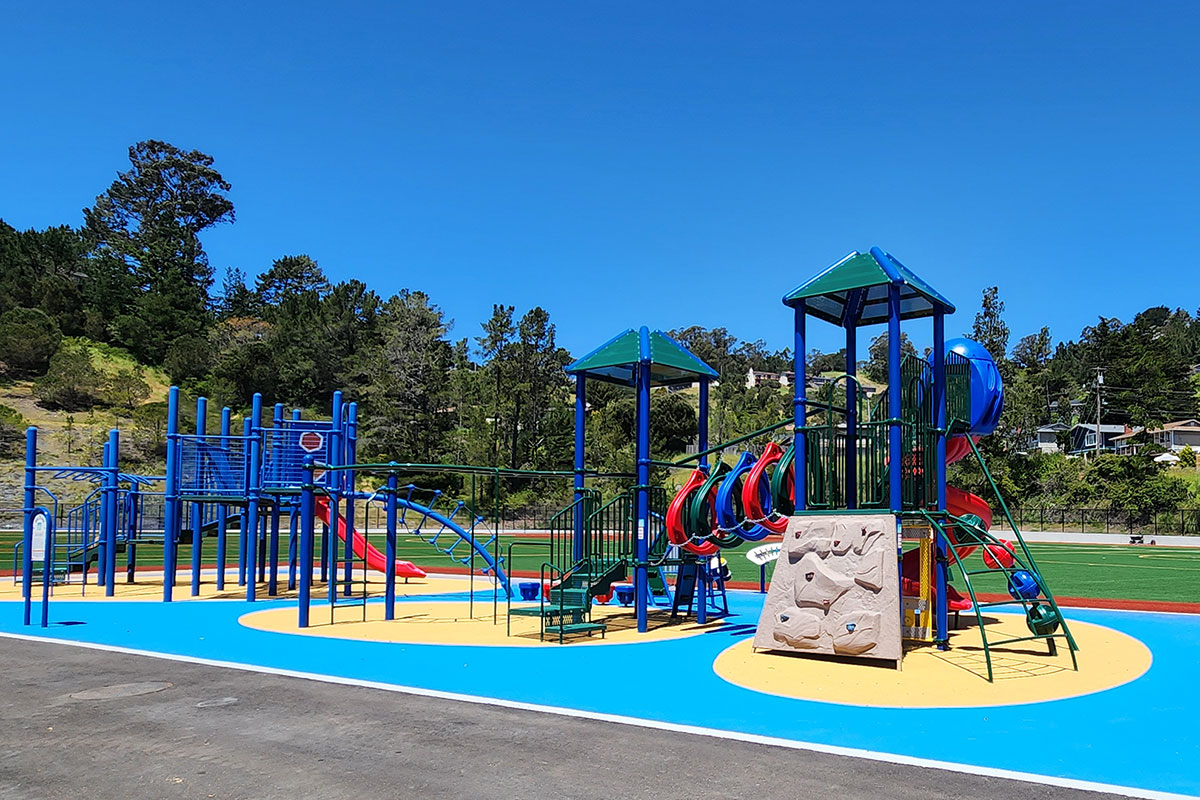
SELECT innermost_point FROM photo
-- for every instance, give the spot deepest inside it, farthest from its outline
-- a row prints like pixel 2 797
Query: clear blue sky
pixel 643 163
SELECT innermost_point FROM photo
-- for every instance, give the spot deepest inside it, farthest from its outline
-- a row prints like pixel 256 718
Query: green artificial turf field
pixel 1126 572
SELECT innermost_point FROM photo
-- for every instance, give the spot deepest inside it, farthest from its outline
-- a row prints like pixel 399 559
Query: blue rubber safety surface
pixel 1140 734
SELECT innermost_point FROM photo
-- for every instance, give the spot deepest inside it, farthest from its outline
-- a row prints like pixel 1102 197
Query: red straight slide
pixel 375 559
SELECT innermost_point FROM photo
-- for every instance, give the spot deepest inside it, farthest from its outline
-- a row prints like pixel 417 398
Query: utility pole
pixel 1099 405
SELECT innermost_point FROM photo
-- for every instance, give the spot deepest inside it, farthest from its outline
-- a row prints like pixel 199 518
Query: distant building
pixel 1083 437
pixel 1172 437
pixel 1045 438
pixel 757 377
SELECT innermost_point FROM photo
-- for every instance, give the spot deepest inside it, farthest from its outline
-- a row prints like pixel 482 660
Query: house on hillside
pixel 1083 438
pixel 1045 438
pixel 1172 437
pixel 757 377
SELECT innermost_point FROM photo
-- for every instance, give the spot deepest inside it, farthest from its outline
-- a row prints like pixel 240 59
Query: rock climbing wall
pixel 835 589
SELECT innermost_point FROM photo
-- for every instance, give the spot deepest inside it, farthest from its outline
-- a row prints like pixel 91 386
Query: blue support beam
pixel 254 490
pixel 895 440
pixel 307 509
pixel 799 409
pixel 580 441
pixel 198 508
pixel 111 520
pixel 171 521
pixel 27 530
pixel 942 620
pixel 641 584
pixel 222 510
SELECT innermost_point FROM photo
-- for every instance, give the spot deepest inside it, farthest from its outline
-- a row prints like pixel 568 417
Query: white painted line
pixel 851 752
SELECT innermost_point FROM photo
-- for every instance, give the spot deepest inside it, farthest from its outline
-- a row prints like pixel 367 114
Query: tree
pixel 28 338
pixel 144 235
pixel 127 388
pixel 1033 351
pixel 12 429
pixel 495 347
pixel 989 329
pixel 236 299
pixel 289 277
pixel 819 362
pixel 877 356
pixel 542 429
pixel 404 397
pixel 1187 457
pixel 72 382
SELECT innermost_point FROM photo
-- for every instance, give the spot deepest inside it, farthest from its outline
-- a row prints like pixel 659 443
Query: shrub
pixel 28 339
pixel 72 382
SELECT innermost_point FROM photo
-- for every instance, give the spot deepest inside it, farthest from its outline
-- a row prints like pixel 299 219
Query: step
pixel 578 627
pixel 546 611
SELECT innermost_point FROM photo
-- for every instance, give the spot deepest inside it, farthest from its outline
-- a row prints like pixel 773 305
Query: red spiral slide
pixel 375 559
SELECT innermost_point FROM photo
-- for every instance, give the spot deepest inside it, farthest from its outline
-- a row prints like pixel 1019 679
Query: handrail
pixel 1017 533
pixel 731 442
pixel 509 597
pixel 977 606
pixel 470 469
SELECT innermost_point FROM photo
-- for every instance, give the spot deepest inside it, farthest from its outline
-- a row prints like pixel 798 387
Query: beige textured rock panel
pixel 835 589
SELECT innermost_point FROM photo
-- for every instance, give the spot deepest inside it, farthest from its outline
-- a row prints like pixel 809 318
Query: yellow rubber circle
pixel 455 623
pixel 1024 671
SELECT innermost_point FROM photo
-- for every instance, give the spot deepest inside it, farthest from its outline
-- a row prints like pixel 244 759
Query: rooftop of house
pixel 1091 426
pixel 1181 425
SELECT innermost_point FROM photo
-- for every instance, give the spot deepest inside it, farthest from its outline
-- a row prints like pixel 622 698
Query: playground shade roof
pixel 854 291
pixel 616 360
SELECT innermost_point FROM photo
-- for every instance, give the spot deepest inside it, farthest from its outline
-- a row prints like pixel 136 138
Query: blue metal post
pixel 48 568
pixel 702 424
pixel 389 597
pixel 30 499
pixel 273 550
pixel 800 409
pixel 255 492
pixel 293 535
pixel 276 509
pixel 102 522
pixel 580 439
pixel 223 510
pixel 940 422
pixel 333 484
pixel 198 507
pixel 307 507
pixel 110 523
pixel 851 414
pixel 895 442
pixel 244 540
pixel 349 447
pixel 171 521
pixel 640 575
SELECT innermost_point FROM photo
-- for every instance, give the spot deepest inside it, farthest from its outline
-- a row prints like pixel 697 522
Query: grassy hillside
pixel 72 437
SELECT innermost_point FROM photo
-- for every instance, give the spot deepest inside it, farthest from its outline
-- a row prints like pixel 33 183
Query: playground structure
pixel 244 484
pixel 851 463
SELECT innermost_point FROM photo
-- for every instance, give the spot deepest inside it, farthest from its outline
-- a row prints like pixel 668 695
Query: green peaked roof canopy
pixel 616 360
pixel 854 291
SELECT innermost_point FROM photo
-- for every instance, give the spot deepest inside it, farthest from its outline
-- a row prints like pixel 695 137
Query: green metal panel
pixel 666 355
pixel 827 294
pixel 616 361
pixel 855 271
